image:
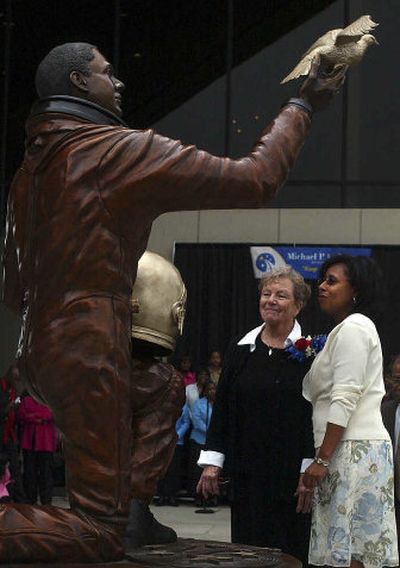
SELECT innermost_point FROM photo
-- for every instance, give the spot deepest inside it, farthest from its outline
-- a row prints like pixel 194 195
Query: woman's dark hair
pixel 366 277
pixel 52 75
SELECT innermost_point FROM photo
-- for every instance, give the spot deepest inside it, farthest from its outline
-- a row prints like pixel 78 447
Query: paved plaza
pixel 186 522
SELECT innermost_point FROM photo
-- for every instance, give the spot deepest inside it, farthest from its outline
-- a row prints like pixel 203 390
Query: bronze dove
pixel 341 46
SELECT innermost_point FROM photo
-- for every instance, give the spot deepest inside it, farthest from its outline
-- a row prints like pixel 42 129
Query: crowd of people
pixel 200 389
pixel 30 440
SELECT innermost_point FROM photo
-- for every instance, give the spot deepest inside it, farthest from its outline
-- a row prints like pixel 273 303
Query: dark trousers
pixel 38 476
pixel 171 483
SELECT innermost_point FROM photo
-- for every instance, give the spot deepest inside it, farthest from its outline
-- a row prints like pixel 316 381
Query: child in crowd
pixel 215 366
pixel 195 390
pixel 185 368
pixel 5 479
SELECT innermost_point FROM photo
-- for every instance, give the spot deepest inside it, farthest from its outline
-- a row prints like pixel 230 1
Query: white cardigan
pixel 345 382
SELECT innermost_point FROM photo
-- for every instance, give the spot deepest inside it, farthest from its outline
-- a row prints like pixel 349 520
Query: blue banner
pixel 306 260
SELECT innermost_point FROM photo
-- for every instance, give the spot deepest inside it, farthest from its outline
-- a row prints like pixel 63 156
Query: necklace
pixel 268 344
pixel 270 348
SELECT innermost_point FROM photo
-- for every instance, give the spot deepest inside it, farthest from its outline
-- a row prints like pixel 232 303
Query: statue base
pixel 193 553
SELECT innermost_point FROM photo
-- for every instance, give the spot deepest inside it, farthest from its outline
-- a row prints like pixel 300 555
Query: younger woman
pixel 353 522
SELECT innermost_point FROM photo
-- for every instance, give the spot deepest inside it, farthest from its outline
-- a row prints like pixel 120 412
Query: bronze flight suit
pixel 79 216
pixel 159 396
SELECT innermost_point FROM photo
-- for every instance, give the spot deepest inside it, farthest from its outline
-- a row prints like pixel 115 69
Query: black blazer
pixel 222 432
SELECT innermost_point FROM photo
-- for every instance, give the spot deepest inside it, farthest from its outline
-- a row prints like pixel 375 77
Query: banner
pixel 306 260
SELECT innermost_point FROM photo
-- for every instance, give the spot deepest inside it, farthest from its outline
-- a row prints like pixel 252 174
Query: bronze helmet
pixel 158 302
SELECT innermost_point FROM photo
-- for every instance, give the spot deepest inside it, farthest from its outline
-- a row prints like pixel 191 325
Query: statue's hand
pixel 320 86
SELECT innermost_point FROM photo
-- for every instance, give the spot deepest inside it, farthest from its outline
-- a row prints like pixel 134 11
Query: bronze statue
pixel 79 216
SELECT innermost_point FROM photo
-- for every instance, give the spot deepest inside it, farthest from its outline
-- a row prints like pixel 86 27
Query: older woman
pixel 353 516
pixel 262 425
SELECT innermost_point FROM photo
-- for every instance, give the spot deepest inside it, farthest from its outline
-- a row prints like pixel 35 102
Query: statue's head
pixel 79 70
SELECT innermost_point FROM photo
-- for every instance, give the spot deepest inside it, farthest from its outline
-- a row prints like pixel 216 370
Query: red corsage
pixel 302 343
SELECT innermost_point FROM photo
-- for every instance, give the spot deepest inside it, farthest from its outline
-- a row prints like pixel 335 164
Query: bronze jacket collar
pixel 75 106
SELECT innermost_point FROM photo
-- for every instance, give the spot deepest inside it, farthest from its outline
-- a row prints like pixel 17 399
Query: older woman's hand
pixel 209 481
pixel 304 497
pixel 314 474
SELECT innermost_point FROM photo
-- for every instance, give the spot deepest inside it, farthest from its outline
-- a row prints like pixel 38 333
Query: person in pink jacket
pixel 38 442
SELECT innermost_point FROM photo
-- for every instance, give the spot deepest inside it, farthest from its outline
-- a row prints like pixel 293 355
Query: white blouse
pixel 192 394
pixel 345 382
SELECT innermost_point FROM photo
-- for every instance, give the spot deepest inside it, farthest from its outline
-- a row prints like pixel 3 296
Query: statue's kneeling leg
pixel 48 534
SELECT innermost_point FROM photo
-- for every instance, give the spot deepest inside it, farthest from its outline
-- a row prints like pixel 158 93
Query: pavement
pixel 186 522
pixel 189 524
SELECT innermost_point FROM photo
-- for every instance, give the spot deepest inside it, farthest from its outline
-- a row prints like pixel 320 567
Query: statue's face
pixel 103 88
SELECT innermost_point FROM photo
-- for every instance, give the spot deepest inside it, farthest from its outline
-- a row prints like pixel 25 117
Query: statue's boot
pixel 143 528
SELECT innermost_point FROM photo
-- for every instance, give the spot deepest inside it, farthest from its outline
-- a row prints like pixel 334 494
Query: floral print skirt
pixel 353 512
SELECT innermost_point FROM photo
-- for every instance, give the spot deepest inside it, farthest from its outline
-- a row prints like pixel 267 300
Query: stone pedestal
pixel 193 553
